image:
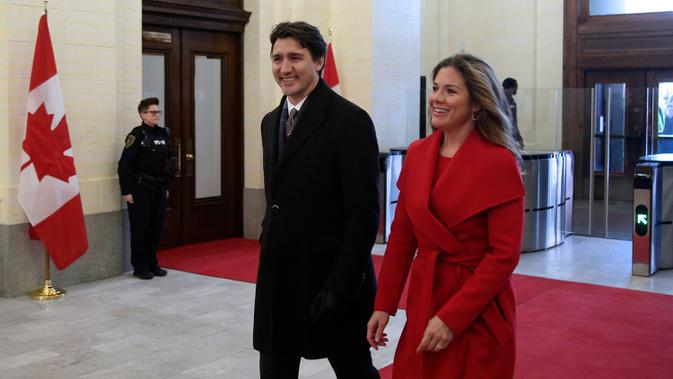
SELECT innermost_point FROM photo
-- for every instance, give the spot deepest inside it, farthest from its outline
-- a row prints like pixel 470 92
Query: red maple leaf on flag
pixel 46 147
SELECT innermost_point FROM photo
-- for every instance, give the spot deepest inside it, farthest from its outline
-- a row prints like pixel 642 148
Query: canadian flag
pixel 330 74
pixel 48 189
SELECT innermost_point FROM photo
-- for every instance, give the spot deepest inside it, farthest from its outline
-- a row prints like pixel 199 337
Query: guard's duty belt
pixel 150 181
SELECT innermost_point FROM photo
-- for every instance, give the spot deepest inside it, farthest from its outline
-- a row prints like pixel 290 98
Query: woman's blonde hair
pixel 493 119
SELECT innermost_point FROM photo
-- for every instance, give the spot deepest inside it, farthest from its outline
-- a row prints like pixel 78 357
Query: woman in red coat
pixel 458 227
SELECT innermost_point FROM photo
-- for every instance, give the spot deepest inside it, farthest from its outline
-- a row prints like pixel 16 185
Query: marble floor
pixel 192 326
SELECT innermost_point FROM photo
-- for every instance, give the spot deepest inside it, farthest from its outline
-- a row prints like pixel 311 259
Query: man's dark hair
pixel 510 83
pixel 145 104
pixel 307 35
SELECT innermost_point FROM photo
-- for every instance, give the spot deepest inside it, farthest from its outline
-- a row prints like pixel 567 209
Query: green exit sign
pixel 642 219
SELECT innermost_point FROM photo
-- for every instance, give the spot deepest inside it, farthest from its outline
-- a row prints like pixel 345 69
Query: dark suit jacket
pixel 320 225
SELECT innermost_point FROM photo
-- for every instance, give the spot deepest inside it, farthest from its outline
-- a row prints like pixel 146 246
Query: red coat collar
pixel 480 175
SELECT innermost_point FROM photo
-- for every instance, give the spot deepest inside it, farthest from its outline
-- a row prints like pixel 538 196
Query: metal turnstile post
pixel 646 187
pixel 664 220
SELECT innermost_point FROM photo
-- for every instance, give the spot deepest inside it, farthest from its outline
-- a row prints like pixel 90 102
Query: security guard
pixel 511 86
pixel 144 170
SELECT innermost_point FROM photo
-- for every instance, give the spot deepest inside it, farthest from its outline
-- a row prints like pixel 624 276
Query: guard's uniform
pixel 515 121
pixel 144 170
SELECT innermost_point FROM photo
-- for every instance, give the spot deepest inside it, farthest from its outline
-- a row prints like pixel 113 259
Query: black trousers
pixel 146 216
pixel 352 364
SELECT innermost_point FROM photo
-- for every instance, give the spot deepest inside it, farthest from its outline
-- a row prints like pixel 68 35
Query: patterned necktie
pixel 291 122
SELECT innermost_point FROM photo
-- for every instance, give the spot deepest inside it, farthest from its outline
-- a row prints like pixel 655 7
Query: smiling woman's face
pixel 450 102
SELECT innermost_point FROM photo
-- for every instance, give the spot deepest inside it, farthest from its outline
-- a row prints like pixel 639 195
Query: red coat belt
pixel 490 314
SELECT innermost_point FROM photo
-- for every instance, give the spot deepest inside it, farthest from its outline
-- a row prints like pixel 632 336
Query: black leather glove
pixel 326 308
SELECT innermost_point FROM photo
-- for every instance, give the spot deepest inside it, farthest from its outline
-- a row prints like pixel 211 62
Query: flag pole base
pixel 48 292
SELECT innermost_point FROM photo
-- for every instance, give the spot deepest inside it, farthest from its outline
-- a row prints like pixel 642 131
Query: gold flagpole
pixel 329 34
pixel 47 292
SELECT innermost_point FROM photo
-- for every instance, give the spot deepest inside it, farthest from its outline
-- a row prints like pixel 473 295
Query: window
pixel 665 118
pixel 609 7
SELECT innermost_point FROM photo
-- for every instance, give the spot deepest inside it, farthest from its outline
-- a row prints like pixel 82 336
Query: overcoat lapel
pixel 478 178
pixel 423 166
pixel 470 184
pixel 273 143
pixel 311 117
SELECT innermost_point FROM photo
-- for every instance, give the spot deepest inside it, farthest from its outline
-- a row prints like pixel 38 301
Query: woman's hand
pixel 128 198
pixel 375 327
pixel 437 336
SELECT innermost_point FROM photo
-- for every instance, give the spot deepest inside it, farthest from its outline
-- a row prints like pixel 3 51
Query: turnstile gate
pixel 653 214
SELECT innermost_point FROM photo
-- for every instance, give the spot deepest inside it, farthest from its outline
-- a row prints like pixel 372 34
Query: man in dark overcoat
pixel 316 284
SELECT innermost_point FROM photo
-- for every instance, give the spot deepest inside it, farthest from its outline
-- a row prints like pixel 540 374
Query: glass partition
pixel 607 129
pixel 539 116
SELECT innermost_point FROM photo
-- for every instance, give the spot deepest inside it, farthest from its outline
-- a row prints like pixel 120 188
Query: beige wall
pixel 97 47
pixel 367 39
pixel 381 47
pixel 261 92
pixel 522 39
pixel 395 71
pixel 4 107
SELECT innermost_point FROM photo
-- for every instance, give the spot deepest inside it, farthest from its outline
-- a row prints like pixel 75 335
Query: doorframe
pixel 226 16
pixel 218 15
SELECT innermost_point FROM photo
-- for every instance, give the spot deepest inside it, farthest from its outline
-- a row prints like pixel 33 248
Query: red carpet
pixel 233 258
pixel 565 329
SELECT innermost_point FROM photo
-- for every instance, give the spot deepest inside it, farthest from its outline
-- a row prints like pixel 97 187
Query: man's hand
pixel 326 308
pixel 128 198
pixel 375 327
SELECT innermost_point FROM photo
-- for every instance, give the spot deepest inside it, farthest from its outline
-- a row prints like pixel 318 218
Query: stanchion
pixel 47 292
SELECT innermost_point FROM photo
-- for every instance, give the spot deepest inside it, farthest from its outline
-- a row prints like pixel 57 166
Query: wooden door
pixel 212 138
pixel 196 75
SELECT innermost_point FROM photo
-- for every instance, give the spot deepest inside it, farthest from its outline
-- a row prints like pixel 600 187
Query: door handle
pixel 189 156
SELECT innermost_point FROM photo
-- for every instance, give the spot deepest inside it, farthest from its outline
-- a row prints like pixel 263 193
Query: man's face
pixel 294 69
pixel 151 116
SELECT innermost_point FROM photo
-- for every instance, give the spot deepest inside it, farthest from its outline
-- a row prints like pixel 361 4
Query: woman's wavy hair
pixel 493 119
